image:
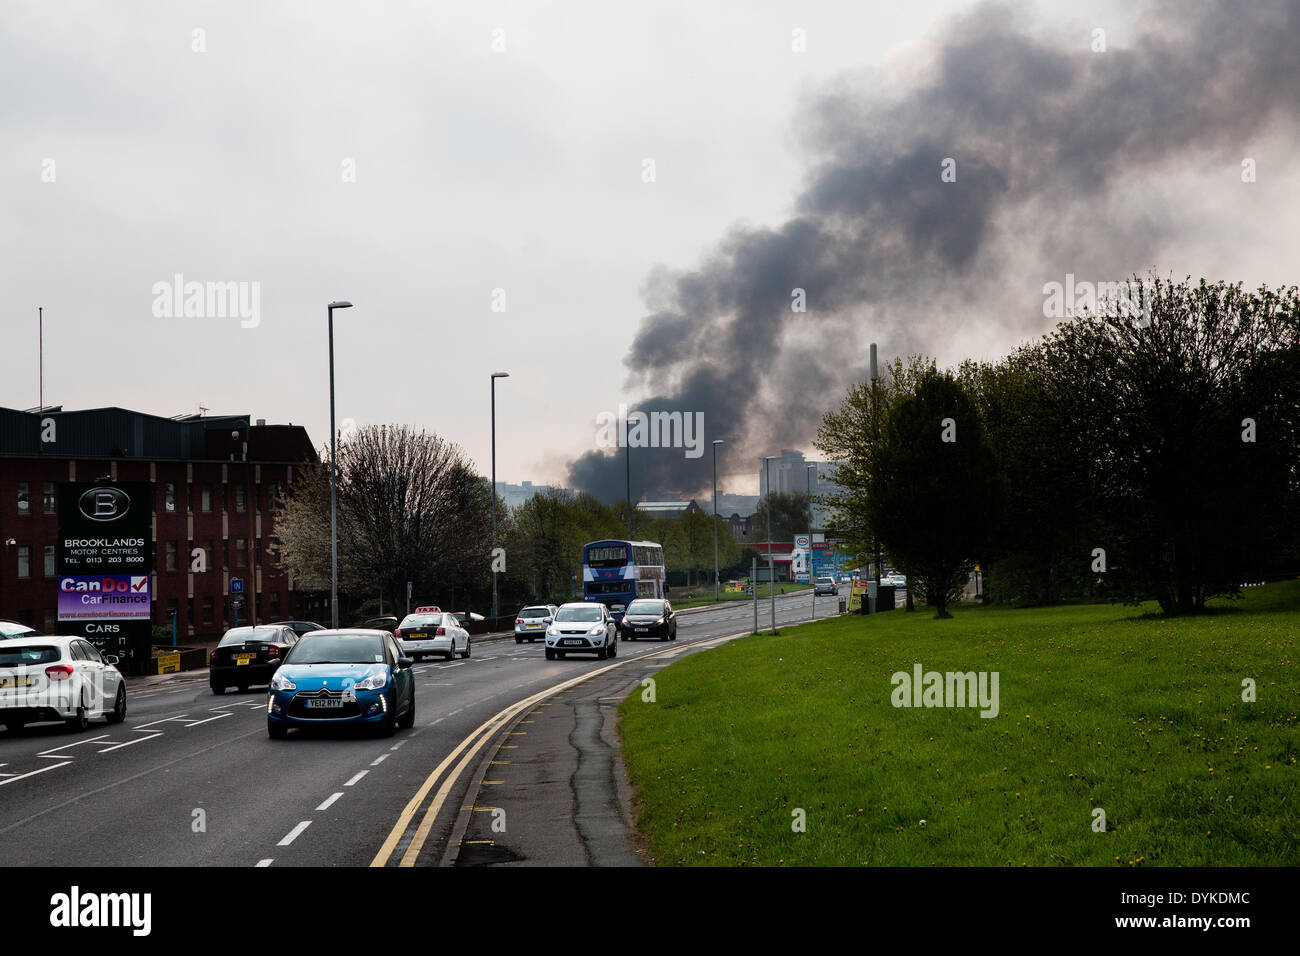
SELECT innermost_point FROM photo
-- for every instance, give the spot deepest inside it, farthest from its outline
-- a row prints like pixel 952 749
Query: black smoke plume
pixel 1065 158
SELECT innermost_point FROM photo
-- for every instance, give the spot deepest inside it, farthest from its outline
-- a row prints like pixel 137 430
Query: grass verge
pixel 1106 707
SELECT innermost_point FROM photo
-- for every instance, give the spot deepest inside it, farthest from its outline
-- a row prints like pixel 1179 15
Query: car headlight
pixel 600 629
pixel 280 682
pixel 552 630
pixel 377 681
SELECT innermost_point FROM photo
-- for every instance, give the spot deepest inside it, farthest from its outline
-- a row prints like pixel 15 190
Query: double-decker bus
pixel 615 572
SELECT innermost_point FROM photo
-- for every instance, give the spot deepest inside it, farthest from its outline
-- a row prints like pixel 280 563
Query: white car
pixel 432 632
pixel 531 622
pixel 583 627
pixel 58 678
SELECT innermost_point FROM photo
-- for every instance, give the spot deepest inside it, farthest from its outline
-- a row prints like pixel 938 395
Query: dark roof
pixel 114 432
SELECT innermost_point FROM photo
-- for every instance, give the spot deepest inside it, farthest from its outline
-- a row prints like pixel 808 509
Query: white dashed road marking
pixel 23 776
pixel 294 833
pixel 356 778
pixel 378 760
pixel 265 862
pixel 330 802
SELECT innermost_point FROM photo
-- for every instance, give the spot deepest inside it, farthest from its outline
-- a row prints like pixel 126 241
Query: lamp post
pixel 875 450
pixel 334 480
pixel 717 588
pixel 771 572
pixel 627 459
pixel 495 376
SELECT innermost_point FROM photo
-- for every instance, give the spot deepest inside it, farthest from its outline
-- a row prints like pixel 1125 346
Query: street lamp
pixel 334 481
pixel 771 572
pixel 495 376
pixel 717 588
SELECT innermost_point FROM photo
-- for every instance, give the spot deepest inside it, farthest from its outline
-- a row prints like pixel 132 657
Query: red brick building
pixel 215 480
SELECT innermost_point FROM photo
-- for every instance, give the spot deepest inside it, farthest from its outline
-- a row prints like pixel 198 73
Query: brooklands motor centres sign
pixel 105 559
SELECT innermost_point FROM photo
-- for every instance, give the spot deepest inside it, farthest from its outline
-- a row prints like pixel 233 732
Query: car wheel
pixel 562 654
pixel 276 731
pixel 630 637
pixel 118 713
pixel 550 654
pixel 466 654
pixel 243 688
pixel 408 719
pixel 13 726
pixel 520 640
pixel 613 648
pixel 78 721
pixel 217 689
pixel 601 653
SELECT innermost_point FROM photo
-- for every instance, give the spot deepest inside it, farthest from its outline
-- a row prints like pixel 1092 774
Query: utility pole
pixel 771 566
pixel 875 450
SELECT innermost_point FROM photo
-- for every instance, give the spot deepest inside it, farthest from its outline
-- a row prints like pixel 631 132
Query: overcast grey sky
pixel 522 170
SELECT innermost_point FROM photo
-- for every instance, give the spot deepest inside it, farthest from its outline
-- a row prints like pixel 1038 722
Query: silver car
pixel 432 632
pixel 532 621
pixel 582 627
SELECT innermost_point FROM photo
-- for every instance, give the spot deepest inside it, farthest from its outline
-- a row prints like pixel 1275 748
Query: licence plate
pixel 570 641
pixel 420 636
pixel 324 702
pixel 6 682
pixel 243 659
pixel 642 629
pixel 532 625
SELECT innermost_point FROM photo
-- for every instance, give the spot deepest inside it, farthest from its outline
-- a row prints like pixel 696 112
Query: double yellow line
pixel 470 746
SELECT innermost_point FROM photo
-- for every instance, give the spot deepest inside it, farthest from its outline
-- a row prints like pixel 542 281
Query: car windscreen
pixel 29 656
pixel 243 635
pixel 416 621
pixel 9 629
pixel 535 612
pixel 320 648
pixel 646 607
pixel 578 614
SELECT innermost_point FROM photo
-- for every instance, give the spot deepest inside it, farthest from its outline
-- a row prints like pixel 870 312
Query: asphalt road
pixel 192 779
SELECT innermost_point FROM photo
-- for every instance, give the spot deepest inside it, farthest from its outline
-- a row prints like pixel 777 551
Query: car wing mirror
pixel 404 662
pixel 111 659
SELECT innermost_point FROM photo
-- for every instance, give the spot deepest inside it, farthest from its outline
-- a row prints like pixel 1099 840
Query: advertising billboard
pixel 105 559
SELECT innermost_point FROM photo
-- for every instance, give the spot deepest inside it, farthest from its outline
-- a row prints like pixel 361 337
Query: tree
pixel 934 492
pixel 410 508
pixel 1191 423
pixel 789 516
pixel 847 436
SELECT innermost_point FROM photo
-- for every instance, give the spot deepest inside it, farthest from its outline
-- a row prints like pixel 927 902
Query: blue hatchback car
pixel 343 677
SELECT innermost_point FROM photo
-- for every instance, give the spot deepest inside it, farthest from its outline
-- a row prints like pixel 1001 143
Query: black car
pixel 647 617
pixel 385 623
pixel 299 627
pixel 248 655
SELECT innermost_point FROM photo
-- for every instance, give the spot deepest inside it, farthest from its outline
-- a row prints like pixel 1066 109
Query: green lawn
pixel 1100 706
pixel 703 597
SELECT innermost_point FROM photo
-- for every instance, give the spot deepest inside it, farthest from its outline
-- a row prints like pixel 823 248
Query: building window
pixel 207 610
pixel 189 611
pixel 51 622
pixel 24 561
pixel 275 604
pixel 51 498
pixel 169 497
pixel 241 500
pixel 24 497
pixel 49 560
pixel 205 500
pixel 171 555
pixel 173 610
pixel 273 551
pixel 241 552
pixel 209 552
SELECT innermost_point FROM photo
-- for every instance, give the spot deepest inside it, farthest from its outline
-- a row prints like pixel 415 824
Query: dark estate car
pixel 248 656
pixel 386 623
pixel 646 617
